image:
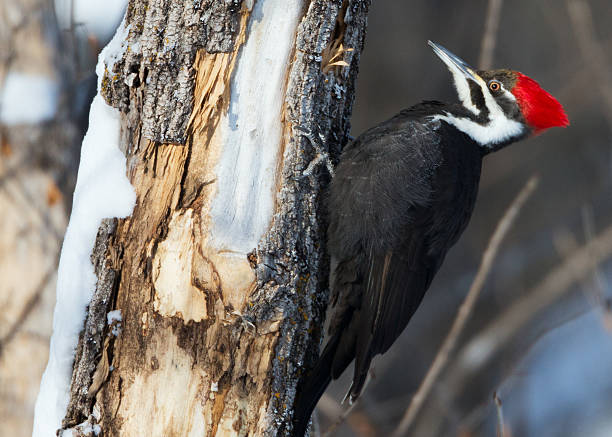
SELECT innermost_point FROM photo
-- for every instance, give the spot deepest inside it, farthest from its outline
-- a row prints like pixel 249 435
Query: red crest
pixel 540 109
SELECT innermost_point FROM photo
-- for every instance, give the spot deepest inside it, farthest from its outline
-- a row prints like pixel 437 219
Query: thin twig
pixel 27 309
pixel 330 407
pixel 553 287
pixel 340 420
pixel 499 338
pixel 566 243
pixel 500 415
pixel 494 339
pixel 489 37
pixel 466 308
pixel 600 283
pixel 596 286
pixel 593 52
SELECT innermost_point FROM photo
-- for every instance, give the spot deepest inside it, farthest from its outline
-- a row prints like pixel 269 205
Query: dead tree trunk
pixel 229 111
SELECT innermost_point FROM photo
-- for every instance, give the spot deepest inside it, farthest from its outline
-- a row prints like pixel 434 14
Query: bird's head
pixel 502 106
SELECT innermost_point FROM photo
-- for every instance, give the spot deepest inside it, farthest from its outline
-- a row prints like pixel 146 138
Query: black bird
pixel 402 194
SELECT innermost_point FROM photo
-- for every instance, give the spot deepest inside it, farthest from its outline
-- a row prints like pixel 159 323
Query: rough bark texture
pixel 88 356
pixel 212 341
pixel 163 41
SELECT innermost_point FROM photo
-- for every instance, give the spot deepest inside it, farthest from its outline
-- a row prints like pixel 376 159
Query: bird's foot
pixel 321 157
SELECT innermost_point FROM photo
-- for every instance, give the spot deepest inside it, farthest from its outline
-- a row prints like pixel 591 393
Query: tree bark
pixel 231 111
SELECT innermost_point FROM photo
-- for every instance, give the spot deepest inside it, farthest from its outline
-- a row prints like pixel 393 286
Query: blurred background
pixel 48 52
pixel 550 376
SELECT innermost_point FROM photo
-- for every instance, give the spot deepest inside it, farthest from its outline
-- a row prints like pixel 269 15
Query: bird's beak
pixel 454 63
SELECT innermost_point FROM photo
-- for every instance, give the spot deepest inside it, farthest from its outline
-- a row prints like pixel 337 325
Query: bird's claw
pixel 321 156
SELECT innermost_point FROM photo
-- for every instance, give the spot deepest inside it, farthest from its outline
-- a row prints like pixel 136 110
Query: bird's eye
pixel 494 85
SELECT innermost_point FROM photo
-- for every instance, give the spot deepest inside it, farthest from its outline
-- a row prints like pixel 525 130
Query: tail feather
pixel 315 384
pixel 339 350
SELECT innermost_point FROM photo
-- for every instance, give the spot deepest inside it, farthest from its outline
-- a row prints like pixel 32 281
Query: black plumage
pixel 402 194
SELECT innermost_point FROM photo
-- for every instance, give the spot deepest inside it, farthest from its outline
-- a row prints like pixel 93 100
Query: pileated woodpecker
pixel 402 194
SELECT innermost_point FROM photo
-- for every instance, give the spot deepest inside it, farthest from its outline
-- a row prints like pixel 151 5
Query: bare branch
pixel 29 306
pixel 466 308
pixel 599 281
pixel 484 346
pixel 329 407
pixel 343 416
pixel 593 52
pixel 500 415
pixel 505 339
pixel 489 38
pixel 594 287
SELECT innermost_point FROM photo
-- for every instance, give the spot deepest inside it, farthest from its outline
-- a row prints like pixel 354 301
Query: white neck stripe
pixel 496 131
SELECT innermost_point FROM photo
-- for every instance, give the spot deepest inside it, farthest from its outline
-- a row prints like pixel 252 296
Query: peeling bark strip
pixel 220 274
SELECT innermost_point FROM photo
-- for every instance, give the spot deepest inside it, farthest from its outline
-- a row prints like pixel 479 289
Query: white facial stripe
pixel 497 130
pixel 460 79
pixel 463 90
pixel 495 111
pixel 490 101
pixel 508 94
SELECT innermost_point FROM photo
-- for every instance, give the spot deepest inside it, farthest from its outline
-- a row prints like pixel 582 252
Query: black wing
pixel 412 196
pixel 387 237
pixel 395 286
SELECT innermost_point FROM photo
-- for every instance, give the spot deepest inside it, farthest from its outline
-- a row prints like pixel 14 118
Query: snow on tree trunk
pixel 218 278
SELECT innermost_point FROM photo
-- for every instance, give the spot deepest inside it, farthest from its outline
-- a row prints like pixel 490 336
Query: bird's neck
pixel 490 130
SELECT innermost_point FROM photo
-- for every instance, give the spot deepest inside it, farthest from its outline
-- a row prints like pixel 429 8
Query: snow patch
pixel 102 191
pixel 27 98
pixel 84 429
pixel 113 316
pixel 113 319
pixel 251 137
pixel 113 52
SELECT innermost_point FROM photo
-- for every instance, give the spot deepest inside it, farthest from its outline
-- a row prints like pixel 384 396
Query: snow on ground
pixel 102 191
pixel 27 98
